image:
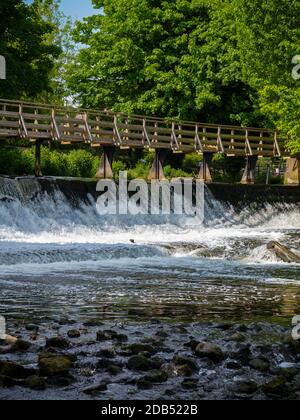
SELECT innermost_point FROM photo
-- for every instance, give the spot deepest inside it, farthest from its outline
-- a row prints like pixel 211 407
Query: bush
pixel 80 163
pixel 191 163
pixel 118 166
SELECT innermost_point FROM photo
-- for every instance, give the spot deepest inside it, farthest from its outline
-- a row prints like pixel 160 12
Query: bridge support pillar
pixel 205 174
pixel 249 173
pixel 292 173
pixel 38 170
pixel 105 170
pixel 157 170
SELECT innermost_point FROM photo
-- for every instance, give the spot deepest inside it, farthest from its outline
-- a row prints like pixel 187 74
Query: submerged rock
pixel 54 365
pixel 184 366
pixel 36 383
pixel 57 342
pixel 210 351
pixel 20 346
pixel 276 387
pixel 74 334
pixel 137 348
pixel 14 370
pixel 95 389
pixel 244 386
pixel 110 335
pixel 260 364
pixel 6 382
pixel 141 363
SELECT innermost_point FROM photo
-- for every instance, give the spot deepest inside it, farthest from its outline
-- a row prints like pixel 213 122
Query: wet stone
pixel 277 386
pixel 32 327
pixel 261 365
pixel 95 389
pixel 6 382
pixel 190 383
pixel 20 346
pixel 73 334
pixel 136 348
pixel 244 386
pixel 14 370
pixel 54 365
pixel 57 342
pixel 36 383
pixel 210 351
pixel 140 363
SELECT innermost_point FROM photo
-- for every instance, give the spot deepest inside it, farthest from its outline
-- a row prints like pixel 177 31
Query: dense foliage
pixel 226 61
pixel 25 43
pixel 222 61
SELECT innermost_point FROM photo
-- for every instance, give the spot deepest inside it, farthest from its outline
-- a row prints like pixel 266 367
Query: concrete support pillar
pixel 205 174
pixel 249 173
pixel 292 173
pixel 157 170
pixel 38 170
pixel 105 170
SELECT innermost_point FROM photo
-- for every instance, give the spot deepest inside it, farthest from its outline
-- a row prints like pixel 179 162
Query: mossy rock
pixel 261 365
pixel 156 377
pixel 20 346
pixel 74 334
pixel 6 382
pixel 140 363
pixel 57 343
pixel 210 351
pixel 185 361
pixel 137 348
pixel 13 370
pixel 36 383
pixel 276 386
pixel 54 365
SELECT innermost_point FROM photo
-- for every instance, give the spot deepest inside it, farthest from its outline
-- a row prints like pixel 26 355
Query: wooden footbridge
pixel 46 123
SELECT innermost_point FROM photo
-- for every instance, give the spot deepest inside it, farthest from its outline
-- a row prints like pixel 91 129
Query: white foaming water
pixel 39 229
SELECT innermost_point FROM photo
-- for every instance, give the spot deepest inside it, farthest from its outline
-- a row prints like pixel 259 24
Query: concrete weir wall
pixel 237 195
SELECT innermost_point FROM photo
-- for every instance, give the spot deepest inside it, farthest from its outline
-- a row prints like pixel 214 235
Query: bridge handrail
pixel 104 112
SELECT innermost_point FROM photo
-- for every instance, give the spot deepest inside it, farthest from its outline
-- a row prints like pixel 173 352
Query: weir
pixel 77 191
pixel 46 124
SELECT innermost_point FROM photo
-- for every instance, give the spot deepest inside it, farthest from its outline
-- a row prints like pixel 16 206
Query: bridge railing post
pixel 205 172
pixel 249 173
pixel 105 170
pixel 157 170
pixel 38 170
pixel 292 173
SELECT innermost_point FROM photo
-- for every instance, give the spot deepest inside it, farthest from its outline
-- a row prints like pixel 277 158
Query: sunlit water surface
pixel 56 261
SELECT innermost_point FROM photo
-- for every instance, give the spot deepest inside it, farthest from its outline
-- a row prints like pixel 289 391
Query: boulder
pixel 277 386
pixel 20 346
pixel 14 370
pixel 140 363
pixel 261 365
pixel 54 365
pixel 95 389
pixel 244 386
pixel 137 348
pixel 210 351
pixel 74 334
pixel 36 383
pixel 57 343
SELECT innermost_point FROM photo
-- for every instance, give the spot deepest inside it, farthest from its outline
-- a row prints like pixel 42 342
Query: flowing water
pixel 58 261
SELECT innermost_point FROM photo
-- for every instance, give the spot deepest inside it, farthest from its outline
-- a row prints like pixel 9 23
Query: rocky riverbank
pixel 109 360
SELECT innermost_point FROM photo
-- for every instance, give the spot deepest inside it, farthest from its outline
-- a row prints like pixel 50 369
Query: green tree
pixel 268 39
pixel 30 57
pixel 174 58
pixel 50 12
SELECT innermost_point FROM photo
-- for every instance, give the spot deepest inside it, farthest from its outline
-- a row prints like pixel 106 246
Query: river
pixel 58 261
